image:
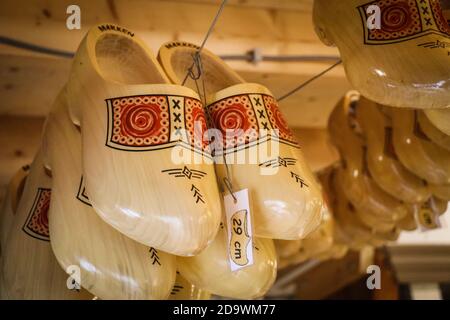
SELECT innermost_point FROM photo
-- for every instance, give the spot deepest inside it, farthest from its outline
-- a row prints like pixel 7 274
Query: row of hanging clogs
pixel 106 199
pixel 395 169
pixel 323 244
pixel 395 163
pixel 393 177
pixel 128 215
pixel 392 174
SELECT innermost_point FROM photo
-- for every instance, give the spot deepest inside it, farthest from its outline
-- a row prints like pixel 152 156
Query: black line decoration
pixel 185 173
pixel 154 256
pixel 197 194
pixel 435 44
pixel 257 101
pixel 279 162
pixel 81 194
pixel 299 180
pixel 176 288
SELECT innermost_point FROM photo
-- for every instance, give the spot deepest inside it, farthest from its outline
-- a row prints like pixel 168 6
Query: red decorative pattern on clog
pixel 153 122
pixel 277 119
pixel 403 20
pixel 249 119
pixel 36 224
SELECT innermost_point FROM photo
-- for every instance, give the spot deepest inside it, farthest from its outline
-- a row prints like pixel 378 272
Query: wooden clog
pixel 404 63
pixel 383 164
pixel 337 251
pixel 29 269
pixel 314 245
pixel 361 228
pixel 438 205
pixel 140 138
pixel 417 153
pixel 408 223
pixel 326 178
pixel 287 248
pixel 184 290
pixel 112 266
pixel 440 118
pixel 348 221
pixel 286 199
pixel 210 270
pixel 8 213
pixel 432 132
pixel 322 239
pixel 359 187
pixel 441 191
pixel 12 198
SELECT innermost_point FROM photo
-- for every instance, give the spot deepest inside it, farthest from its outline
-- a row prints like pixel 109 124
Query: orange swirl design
pixel 140 121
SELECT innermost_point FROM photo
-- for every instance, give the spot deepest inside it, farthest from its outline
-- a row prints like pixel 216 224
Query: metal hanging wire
pixel 208 33
pixel 304 84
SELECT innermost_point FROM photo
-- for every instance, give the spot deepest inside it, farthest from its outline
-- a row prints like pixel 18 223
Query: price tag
pixel 427 217
pixel 240 232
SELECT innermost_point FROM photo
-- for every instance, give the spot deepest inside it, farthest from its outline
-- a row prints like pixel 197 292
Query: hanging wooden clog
pixel 441 191
pixel 346 217
pixel 252 136
pixel 383 164
pixel 440 118
pixel 364 228
pixel 432 132
pixel 112 266
pixel 184 290
pixel 8 213
pixel 288 248
pixel 393 52
pixel 417 153
pixel 409 223
pixel 140 138
pixel 210 270
pixel 30 271
pixel 12 198
pixel 354 178
pixel 314 245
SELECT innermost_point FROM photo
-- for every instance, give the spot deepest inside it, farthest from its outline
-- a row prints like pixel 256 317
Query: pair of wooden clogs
pixel 323 244
pixel 124 204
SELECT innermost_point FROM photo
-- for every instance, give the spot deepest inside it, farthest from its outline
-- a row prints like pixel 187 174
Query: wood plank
pixel 424 276
pixel 53 34
pixel 318 152
pixel 29 85
pixel 296 5
pixel 20 138
pixel 310 107
pixel 238 31
pixel 241 21
pixel 423 250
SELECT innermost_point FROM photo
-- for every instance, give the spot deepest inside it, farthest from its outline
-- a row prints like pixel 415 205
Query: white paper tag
pixel 240 232
pixel 427 218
